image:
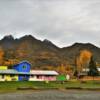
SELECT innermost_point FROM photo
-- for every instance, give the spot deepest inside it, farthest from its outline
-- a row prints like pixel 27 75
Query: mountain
pixel 41 54
pixel 72 51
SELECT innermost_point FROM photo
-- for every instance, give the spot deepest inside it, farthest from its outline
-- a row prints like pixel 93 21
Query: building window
pixel 12 75
pixel 24 67
pixel 2 76
pixel 32 76
pixel 38 77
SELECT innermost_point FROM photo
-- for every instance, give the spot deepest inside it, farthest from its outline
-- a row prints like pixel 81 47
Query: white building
pixel 43 75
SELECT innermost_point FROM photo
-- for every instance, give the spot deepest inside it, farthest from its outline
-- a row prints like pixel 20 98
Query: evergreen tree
pixel 93 71
pixel 76 73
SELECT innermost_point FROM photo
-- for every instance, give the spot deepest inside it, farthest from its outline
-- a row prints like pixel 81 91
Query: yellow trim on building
pixel 3 67
pixel 11 77
pixel 8 77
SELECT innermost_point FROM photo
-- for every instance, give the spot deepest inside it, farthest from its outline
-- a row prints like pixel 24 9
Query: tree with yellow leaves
pixel 1 56
pixel 82 61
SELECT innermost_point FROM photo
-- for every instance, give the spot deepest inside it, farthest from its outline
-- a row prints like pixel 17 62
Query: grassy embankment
pixel 15 86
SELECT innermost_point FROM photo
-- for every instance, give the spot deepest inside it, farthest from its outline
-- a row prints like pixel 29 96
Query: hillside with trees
pixel 45 54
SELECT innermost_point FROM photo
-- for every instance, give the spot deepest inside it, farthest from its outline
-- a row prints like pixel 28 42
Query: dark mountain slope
pixel 43 53
pixel 39 53
pixel 72 51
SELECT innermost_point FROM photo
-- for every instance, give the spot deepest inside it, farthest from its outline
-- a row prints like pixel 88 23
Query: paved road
pixel 52 95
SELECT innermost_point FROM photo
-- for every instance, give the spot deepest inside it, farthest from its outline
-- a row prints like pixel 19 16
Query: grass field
pixel 16 86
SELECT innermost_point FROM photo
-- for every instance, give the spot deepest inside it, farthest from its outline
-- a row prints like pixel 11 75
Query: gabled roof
pixel 24 61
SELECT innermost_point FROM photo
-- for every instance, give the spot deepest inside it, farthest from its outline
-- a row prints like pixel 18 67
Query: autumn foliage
pixel 82 61
pixel 1 56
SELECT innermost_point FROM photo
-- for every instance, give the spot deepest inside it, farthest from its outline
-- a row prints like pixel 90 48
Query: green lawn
pixel 13 86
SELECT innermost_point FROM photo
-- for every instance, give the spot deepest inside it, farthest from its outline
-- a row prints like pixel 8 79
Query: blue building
pixel 25 67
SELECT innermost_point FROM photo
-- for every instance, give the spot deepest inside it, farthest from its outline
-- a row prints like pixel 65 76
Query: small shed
pixel 61 78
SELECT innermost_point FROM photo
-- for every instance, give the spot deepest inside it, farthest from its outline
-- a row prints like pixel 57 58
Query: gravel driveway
pixel 52 95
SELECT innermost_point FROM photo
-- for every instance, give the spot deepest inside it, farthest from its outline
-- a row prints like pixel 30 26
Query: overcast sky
pixel 61 21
